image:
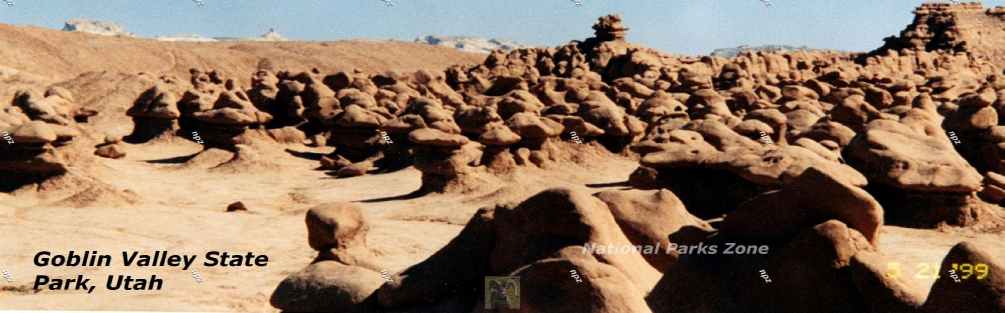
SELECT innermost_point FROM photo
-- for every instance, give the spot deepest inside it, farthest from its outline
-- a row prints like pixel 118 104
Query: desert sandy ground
pixel 181 209
pixel 43 56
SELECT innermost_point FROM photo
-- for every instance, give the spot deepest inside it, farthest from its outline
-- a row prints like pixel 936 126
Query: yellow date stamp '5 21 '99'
pixel 958 271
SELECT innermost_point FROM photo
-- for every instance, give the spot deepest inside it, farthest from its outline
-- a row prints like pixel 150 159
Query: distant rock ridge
pixel 107 28
pixel 733 52
pixel 271 35
pixel 463 43
pixel 186 37
pixel 97 27
pixel 471 44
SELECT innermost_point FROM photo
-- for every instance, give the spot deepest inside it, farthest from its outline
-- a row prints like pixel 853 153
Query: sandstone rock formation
pixel 38 137
pixel 326 286
pixel 974 291
pixel 601 289
pixel 812 198
pixel 655 218
pixel 547 235
pixel 155 113
pixel 111 151
pixel 344 274
pixel 962 27
pixel 807 270
pixel 908 166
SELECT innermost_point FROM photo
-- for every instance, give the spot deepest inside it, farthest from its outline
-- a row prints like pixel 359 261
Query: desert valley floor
pixel 181 202
pixel 383 176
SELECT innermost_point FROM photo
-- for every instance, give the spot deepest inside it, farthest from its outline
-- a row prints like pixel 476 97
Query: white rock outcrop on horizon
pixel 186 37
pixel 471 44
pixel 97 27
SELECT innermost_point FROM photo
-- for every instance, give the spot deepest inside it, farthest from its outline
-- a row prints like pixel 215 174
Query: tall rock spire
pixel 609 28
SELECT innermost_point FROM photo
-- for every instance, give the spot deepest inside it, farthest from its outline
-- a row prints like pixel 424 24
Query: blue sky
pixel 681 26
